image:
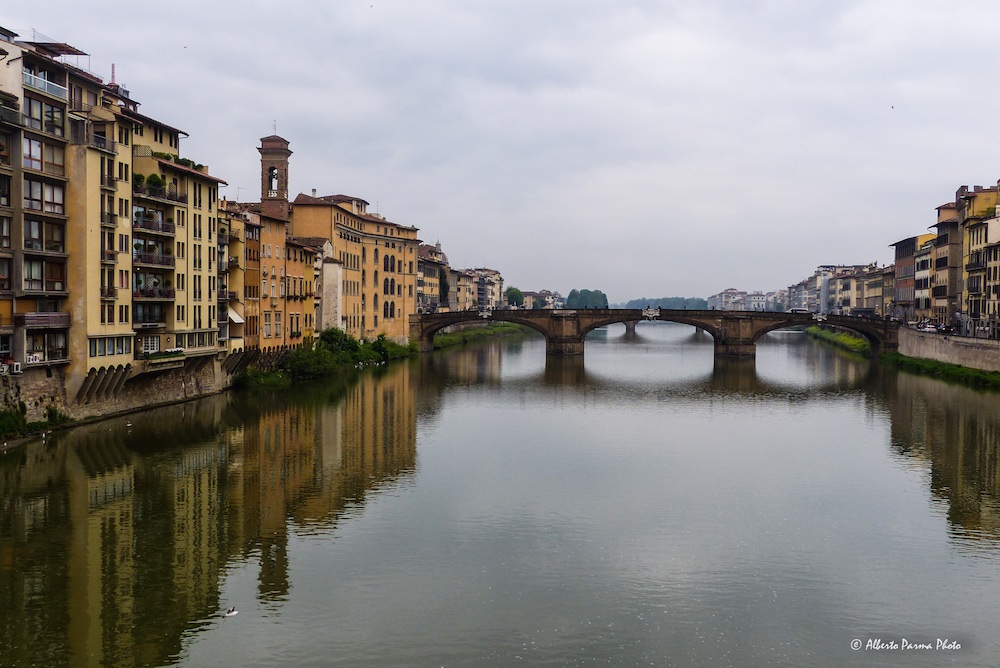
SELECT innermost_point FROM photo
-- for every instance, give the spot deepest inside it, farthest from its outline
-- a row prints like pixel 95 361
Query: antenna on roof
pixel 274 126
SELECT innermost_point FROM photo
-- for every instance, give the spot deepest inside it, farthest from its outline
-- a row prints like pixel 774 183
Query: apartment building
pixel 977 211
pixel 463 295
pixel 489 288
pixel 378 259
pixel 433 272
pixel 923 270
pixel 946 280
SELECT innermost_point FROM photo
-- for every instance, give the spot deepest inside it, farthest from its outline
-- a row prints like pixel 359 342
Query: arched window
pixel 392 263
pixel 385 309
pixel 385 262
pixel 392 309
pixel 374 255
pixel 392 287
pixel 385 286
pixel 375 301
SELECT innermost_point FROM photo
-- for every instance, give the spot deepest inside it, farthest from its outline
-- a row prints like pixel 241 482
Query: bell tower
pixel 274 155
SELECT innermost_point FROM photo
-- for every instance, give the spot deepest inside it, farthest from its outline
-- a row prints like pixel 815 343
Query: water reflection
pixel 116 537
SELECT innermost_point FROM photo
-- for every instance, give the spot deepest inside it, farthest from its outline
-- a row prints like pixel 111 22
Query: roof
pixel 189 170
pixel 327 199
pixel 131 113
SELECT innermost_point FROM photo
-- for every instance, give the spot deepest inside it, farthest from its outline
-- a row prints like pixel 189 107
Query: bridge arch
pixel 677 318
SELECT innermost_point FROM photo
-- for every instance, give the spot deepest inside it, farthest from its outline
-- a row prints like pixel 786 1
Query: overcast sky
pixel 646 149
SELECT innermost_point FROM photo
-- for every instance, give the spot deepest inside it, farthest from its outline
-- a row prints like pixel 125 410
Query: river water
pixel 644 506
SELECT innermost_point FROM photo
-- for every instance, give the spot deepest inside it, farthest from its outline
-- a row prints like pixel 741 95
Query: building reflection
pixel 955 432
pixel 114 541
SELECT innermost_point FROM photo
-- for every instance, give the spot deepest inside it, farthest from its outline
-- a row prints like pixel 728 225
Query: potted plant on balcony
pixel 138 180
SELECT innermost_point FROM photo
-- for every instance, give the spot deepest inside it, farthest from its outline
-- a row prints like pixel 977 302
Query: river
pixel 646 505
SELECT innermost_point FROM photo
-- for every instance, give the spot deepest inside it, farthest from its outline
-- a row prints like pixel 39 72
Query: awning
pixel 235 317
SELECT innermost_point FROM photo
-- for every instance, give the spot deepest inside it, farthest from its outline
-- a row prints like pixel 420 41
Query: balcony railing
pixel 939 291
pixel 228 295
pixel 152 224
pixel 46 86
pixel 108 292
pixel 160 193
pixel 234 262
pixel 108 181
pixel 99 142
pixel 42 320
pixel 153 258
pixel 109 219
pixel 153 293
pixel 109 255
pixel 974 265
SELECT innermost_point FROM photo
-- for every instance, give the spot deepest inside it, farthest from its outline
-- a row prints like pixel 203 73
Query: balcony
pixel 100 142
pixel 234 262
pixel 228 295
pixel 108 181
pixel 153 293
pixel 109 255
pixel 162 194
pixel 10 116
pixel 153 259
pixel 108 292
pixel 42 320
pixel 46 86
pixel 939 291
pixel 109 219
pixel 974 265
pixel 152 224
pixel 975 290
pixel 234 235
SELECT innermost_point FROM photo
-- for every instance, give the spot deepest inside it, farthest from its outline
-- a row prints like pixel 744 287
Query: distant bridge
pixel 735 332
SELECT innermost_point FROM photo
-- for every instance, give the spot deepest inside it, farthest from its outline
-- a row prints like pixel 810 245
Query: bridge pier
pixel 630 328
pixel 740 349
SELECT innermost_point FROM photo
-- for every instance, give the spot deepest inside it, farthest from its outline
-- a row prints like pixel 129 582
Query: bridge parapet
pixel 735 332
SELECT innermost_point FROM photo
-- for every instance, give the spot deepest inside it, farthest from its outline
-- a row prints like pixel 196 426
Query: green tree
pixel 514 296
pixel 586 299
pixel 443 281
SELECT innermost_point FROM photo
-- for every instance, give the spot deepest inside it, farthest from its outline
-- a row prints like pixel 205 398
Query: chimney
pixel 314 192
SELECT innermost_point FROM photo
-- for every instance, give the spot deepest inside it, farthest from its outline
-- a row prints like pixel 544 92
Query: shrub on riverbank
pixel 337 351
pixel 253 378
pixel 954 373
pixel 841 340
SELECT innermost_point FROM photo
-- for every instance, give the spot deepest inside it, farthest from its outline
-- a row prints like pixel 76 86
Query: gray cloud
pixel 656 148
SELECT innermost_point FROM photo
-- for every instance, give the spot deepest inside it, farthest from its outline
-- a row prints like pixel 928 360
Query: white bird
pixel 128 424
pixel 232 611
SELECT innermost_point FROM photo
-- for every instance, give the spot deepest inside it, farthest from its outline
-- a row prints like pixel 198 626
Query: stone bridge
pixel 735 332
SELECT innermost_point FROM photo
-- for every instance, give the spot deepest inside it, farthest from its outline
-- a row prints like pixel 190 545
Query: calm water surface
pixel 488 507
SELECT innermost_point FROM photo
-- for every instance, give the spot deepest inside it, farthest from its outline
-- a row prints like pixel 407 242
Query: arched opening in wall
pixel 385 309
pixel 385 286
pixel 385 263
pixel 392 309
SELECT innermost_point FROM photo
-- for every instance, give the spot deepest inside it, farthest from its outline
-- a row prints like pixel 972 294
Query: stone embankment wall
pixel 973 353
pixel 41 389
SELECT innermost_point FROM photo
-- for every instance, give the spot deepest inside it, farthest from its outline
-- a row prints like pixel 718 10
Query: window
pixel 33 234
pixel 4 190
pixel 55 237
pixel 5 222
pixel 55 279
pixel 32 154
pixel 5 267
pixel 40 196
pixel 33 275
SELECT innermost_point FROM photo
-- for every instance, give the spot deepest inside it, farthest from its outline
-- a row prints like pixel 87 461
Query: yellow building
pixel 378 259
pixel 976 209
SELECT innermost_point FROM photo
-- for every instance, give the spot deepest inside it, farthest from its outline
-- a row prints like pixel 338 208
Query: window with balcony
pixel 32 234
pixel 5 148
pixel 5 268
pixel 4 190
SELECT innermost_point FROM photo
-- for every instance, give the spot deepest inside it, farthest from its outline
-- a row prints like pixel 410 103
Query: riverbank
pixel 841 340
pixel 946 371
pixel 471 334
